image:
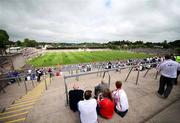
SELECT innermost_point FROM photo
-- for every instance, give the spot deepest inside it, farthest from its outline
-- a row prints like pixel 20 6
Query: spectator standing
pixel 50 71
pixel 120 99
pixel 168 70
pixel 38 73
pixel 87 108
pixel 109 65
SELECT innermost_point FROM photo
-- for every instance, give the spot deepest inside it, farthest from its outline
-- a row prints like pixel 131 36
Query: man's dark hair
pixel 167 56
pixel 173 57
pixel 118 84
pixel 87 94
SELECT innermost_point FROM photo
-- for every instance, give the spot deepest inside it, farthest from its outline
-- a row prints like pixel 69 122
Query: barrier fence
pixel 104 71
pixel 100 70
pixel 3 82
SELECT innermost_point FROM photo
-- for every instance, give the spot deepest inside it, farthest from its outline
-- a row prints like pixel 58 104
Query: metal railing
pixel 21 78
pixel 107 71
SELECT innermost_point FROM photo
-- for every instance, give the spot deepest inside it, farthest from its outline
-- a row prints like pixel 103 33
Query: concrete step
pixel 170 114
pixel 13 117
pixel 19 109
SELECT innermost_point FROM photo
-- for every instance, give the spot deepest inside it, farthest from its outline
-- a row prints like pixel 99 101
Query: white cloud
pixel 91 20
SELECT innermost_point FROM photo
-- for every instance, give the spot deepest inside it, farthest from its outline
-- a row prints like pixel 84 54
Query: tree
pixel 165 44
pixel 175 44
pixel 18 43
pixel 4 39
pixel 30 43
pixel 10 43
pixel 138 43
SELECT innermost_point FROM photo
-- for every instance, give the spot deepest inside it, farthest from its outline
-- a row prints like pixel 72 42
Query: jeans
pixel 122 114
pixel 165 86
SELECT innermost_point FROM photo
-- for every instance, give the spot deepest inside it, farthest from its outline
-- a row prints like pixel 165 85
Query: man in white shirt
pixel 120 99
pixel 87 108
pixel 168 70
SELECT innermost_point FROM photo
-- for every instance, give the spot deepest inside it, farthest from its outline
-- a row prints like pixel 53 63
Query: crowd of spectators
pixel 27 74
pixel 120 64
pixel 29 53
pixel 156 51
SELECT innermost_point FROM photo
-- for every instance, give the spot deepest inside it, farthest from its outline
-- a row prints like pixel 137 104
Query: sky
pixel 91 20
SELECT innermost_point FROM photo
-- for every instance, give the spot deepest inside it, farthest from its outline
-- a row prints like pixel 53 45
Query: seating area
pixel 29 53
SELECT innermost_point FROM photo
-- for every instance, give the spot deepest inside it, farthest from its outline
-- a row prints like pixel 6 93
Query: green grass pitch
pixel 62 58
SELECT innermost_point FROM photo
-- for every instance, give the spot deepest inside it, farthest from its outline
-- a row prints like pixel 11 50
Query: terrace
pixel 145 105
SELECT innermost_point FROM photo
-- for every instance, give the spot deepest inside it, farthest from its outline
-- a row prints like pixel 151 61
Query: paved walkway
pixel 168 115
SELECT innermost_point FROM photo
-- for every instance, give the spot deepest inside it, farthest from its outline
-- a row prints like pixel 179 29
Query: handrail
pixel 105 70
pixel 22 77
